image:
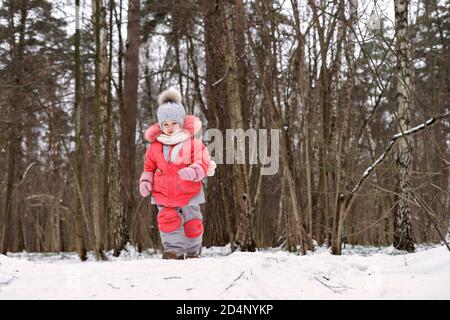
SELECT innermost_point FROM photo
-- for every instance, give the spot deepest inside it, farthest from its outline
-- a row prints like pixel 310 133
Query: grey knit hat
pixel 170 107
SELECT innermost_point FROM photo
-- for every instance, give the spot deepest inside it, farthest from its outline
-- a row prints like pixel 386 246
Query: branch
pixel 37 196
pixel 234 281
pixel 375 108
pixel 333 288
pixel 5 283
pixel 66 149
pixel 25 174
pixel 391 143
pixel 430 214
pixel 221 79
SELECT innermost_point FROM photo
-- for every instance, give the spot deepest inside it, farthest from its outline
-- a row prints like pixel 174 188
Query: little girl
pixel 175 164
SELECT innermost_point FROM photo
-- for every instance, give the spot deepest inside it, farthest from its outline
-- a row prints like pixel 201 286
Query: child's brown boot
pixel 172 255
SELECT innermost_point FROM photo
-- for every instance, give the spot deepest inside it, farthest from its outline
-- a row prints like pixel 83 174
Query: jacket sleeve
pixel 200 155
pixel 149 163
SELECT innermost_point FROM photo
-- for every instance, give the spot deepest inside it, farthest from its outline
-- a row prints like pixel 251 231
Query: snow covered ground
pixel 360 273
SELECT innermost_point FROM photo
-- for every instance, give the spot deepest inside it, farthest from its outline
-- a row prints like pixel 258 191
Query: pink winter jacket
pixel 169 189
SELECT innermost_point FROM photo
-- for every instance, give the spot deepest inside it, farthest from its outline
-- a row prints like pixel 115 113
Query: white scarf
pixel 176 140
pixel 173 139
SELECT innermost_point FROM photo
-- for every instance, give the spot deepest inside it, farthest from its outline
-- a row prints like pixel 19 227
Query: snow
pixel 360 273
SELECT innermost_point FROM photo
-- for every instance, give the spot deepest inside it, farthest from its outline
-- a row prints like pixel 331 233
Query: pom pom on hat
pixel 169 95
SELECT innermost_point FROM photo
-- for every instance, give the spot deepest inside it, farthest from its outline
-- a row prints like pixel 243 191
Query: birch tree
pixel 402 215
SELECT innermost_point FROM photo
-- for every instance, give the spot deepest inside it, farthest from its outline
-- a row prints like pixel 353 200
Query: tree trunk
pixel 402 215
pixel 99 29
pixel 11 169
pixel 118 219
pixel 302 85
pixel 242 196
pixel 128 116
pixel 219 210
pixel 79 229
pixel 344 142
pixel 17 52
pixel 106 208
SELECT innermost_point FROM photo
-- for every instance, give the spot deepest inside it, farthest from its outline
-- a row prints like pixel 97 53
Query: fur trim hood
pixel 191 126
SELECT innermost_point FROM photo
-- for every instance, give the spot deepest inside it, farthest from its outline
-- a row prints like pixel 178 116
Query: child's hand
pixel 145 184
pixel 145 189
pixel 192 173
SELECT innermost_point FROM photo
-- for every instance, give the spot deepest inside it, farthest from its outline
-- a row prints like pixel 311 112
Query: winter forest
pixel 359 91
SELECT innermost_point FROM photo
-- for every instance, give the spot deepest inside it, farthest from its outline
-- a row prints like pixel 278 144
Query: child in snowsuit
pixel 175 164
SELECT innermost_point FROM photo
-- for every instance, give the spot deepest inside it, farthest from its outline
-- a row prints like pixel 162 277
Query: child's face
pixel 170 127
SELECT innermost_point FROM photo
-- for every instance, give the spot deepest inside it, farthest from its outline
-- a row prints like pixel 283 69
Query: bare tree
pixel 220 208
pixel 244 204
pixel 100 95
pixel 17 55
pixel 402 215
pixel 128 116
